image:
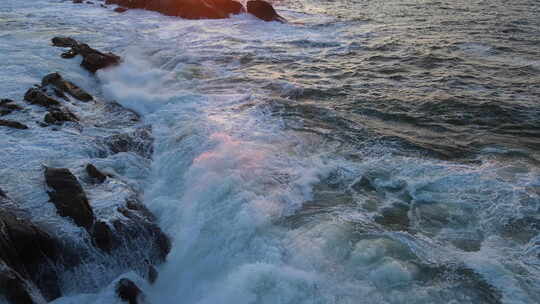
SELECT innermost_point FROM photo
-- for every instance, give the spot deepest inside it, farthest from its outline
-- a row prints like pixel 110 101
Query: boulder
pixel 188 9
pixel 139 222
pixel 69 197
pixel 139 141
pixel 102 236
pixel 263 10
pixel 38 97
pixel 93 60
pixel 128 291
pixel 120 10
pixel 64 86
pixel 29 253
pixel 94 173
pixel 7 106
pixel 60 115
pixel 12 124
pixel 16 289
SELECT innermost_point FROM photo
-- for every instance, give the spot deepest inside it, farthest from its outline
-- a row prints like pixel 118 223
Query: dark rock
pixel 78 1
pixel 152 274
pixel 64 42
pixel 59 116
pixel 65 86
pixel 93 60
pixel 69 197
pixel 140 222
pixel 7 106
pixel 140 141
pixel 28 251
pixel 128 291
pixel 2 193
pixel 93 172
pixel 69 54
pixel 102 235
pixel 15 288
pixel 120 9
pixel 189 9
pixel 38 97
pixel 12 124
pixel 263 10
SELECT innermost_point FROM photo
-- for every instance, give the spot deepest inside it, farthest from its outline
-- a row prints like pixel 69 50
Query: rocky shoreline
pixel 121 235
pixel 197 9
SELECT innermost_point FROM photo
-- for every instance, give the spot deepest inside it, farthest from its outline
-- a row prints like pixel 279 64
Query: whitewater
pixel 274 180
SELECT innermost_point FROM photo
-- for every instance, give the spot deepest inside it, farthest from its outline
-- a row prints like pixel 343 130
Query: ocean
pixel 364 152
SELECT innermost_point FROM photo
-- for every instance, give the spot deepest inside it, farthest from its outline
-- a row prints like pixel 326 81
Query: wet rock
pixel 120 10
pixel 77 1
pixel 140 222
pixel 152 274
pixel 38 97
pixel 128 291
pixel 28 251
pixel 65 86
pixel 16 289
pixel 93 60
pixel 188 9
pixel 64 42
pixel 94 173
pixel 59 116
pixel 12 124
pixel 140 141
pixel 263 10
pixel 69 197
pixel 102 236
pixel 7 106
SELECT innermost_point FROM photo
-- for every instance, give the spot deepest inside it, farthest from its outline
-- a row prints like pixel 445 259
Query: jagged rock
pixel 102 235
pixel 152 274
pixel 263 10
pixel 189 9
pixel 140 141
pixel 64 42
pixel 12 124
pixel 93 60
pixel 38 97
pixel 28 251
pixel 7 106
pixel 140 222
pixel 59 115
pixel 16 289
pixel 69 197
pixel 93 172
pixel 128 291
pixel 65 86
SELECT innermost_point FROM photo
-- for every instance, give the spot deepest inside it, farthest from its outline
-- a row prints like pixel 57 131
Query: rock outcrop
pixel 128 291
pixel 93 60
pixel 12 124
pixel 37 97
pixel 69 197
pixel 59 83
pixel 263 10
pixel 27 257
pixel 7 106
pixel 203 9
